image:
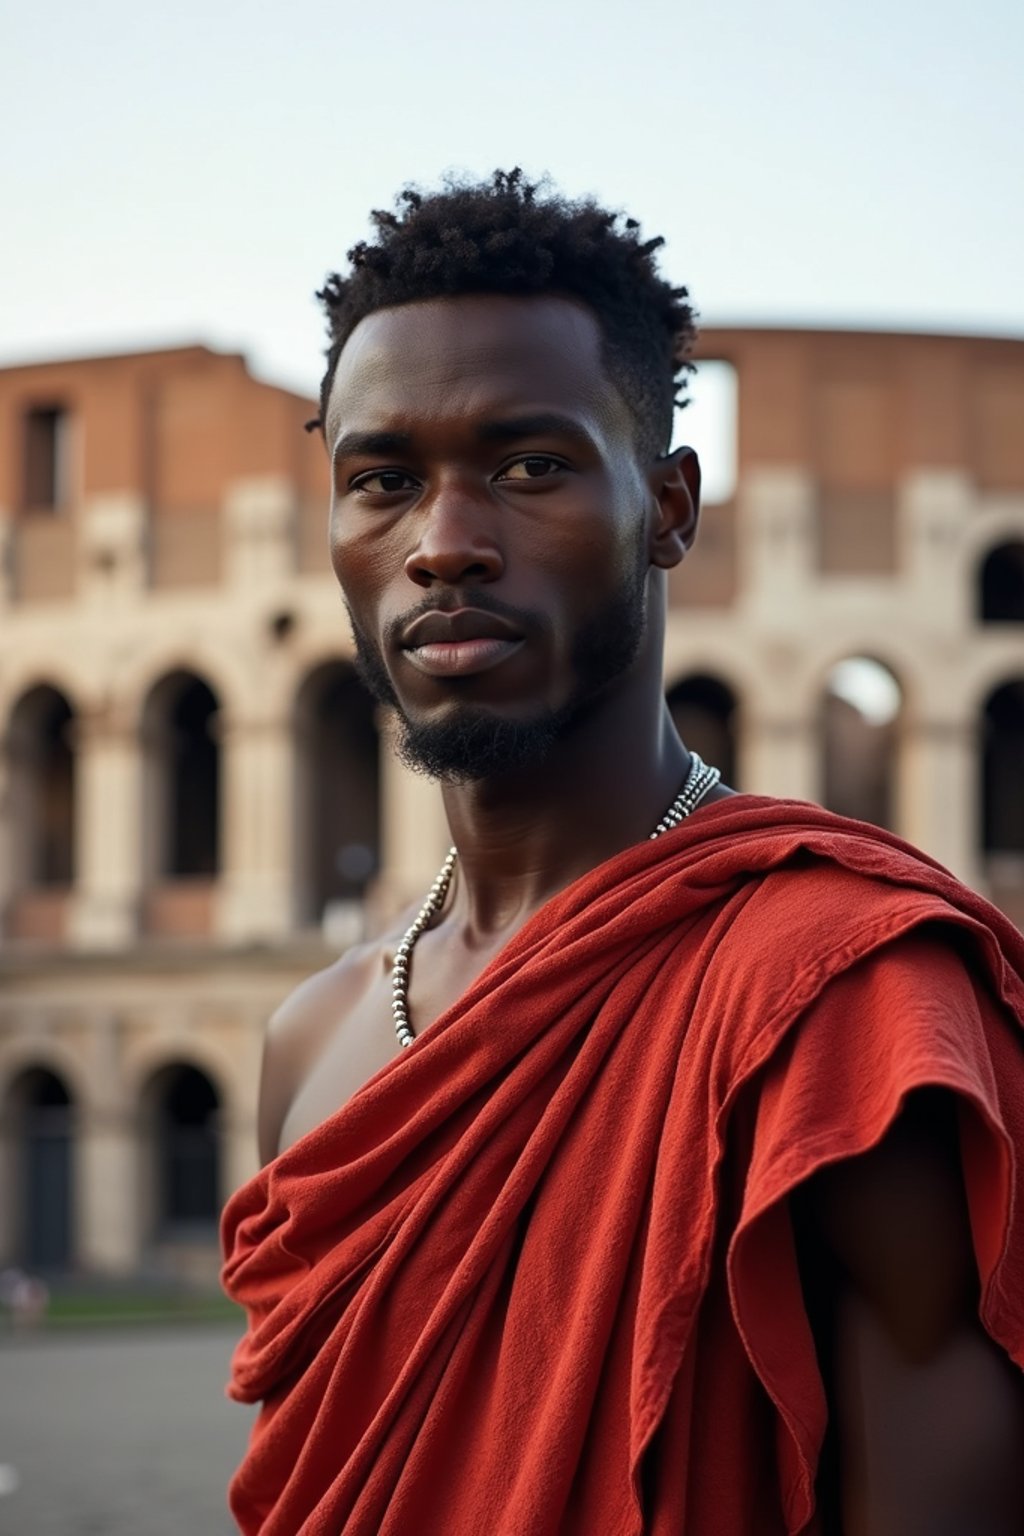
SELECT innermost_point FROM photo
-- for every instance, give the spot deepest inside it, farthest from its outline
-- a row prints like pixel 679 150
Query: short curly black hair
pixel 508 235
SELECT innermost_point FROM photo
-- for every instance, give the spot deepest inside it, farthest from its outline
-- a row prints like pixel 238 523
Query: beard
pixel 473 742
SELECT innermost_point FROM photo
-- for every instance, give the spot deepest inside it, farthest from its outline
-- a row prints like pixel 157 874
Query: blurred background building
pixel 196 809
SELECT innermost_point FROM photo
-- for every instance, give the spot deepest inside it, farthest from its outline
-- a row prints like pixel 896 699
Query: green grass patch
pixel 113 1307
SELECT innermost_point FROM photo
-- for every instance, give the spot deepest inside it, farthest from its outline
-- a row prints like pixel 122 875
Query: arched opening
pixel 41 740
pixel 1001 585
pixel 338 788
pixel 1003 774
pixel 42 805
pixel 705 713
pixel 860 725
pixel 183 795
pixel 182 1115
pixel 193 843
pixel 40 1116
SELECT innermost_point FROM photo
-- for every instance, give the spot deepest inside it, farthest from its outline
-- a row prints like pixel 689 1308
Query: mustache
pixel 525 619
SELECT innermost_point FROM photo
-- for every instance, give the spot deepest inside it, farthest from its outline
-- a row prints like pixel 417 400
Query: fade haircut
pixel 511 236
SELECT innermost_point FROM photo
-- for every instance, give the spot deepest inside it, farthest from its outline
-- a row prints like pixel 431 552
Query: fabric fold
pixel 505 1285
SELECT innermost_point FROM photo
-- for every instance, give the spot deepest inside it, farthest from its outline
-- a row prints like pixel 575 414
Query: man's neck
pixel 604 787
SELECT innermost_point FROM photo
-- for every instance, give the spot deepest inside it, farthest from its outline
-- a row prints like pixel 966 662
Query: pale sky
pixel 191 172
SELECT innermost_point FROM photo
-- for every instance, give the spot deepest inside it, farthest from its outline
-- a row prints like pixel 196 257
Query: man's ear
pixel 675 485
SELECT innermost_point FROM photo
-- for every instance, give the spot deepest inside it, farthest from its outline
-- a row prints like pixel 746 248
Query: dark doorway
pixel 1003 771
pixel 43 762
pixel 181 728
pixel 194 844
pixel 186 1108
pixel 1001 594
pixel 338 787
pixel 704 711
pixel 42 1115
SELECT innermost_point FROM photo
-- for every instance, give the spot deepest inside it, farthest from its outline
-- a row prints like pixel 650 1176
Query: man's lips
pixel 459 644
pixel 460 658
pixel 438 628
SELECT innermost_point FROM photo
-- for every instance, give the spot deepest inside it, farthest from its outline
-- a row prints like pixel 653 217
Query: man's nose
pixel 457 542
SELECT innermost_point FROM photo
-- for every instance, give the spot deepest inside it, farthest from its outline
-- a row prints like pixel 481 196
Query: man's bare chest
pixel 353 1047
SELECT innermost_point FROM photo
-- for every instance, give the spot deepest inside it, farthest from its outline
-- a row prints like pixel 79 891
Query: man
pixel 659 1175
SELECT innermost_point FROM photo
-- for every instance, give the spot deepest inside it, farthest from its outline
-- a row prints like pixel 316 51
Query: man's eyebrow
pixel 509 429
pixel 512 429
pixel 371 443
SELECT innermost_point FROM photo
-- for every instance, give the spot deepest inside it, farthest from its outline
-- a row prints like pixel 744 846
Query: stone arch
pixel 1000 584
pixel 860 719
pixel 161 1046
pixel 39 1131
pixel 182 1132
pixel 28 674
pixel 20 1053
pixel 901 659
pixel 338 800
pixel 134 683
pixel 307 653
pixel 706 712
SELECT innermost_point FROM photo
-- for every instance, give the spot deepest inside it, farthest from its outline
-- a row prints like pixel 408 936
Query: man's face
pixel 488 524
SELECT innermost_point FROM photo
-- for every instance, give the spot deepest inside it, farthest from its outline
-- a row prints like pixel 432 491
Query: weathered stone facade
pixel 193 810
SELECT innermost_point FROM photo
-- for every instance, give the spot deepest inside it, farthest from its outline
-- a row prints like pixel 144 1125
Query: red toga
pixel 537 1278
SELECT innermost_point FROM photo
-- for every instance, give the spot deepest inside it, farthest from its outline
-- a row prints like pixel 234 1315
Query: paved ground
pixel 120 1432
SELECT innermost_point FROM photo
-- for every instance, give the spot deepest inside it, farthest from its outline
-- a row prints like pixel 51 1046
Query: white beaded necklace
pixel 699 780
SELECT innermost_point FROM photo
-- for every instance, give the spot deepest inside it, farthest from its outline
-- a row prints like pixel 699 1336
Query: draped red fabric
pixel 537 1277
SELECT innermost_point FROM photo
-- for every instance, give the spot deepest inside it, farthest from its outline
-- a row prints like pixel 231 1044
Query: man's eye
pixel 534 466
pixel 384 482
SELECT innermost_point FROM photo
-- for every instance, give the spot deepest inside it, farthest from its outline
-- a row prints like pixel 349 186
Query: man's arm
pixel 928 1413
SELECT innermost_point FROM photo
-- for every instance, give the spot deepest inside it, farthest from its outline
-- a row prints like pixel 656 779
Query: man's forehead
pixel 475 352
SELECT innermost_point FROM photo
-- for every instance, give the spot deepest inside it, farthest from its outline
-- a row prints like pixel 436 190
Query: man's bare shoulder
pixel 305 1024
pixel 338 984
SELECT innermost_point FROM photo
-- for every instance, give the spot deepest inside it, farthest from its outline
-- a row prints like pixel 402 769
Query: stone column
pixel 109 1235
pixel 414 834
pixel 112 550
pixel 780 755
pixel 6 559
pixel 940 794
pixel 934 511
pixel 239 1153
pixel 260 530
pixel 777 541
pixel 108 831
pixel 776 545
pixel 255 899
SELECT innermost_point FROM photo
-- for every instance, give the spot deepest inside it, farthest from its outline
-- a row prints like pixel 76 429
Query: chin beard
pixel 474 743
